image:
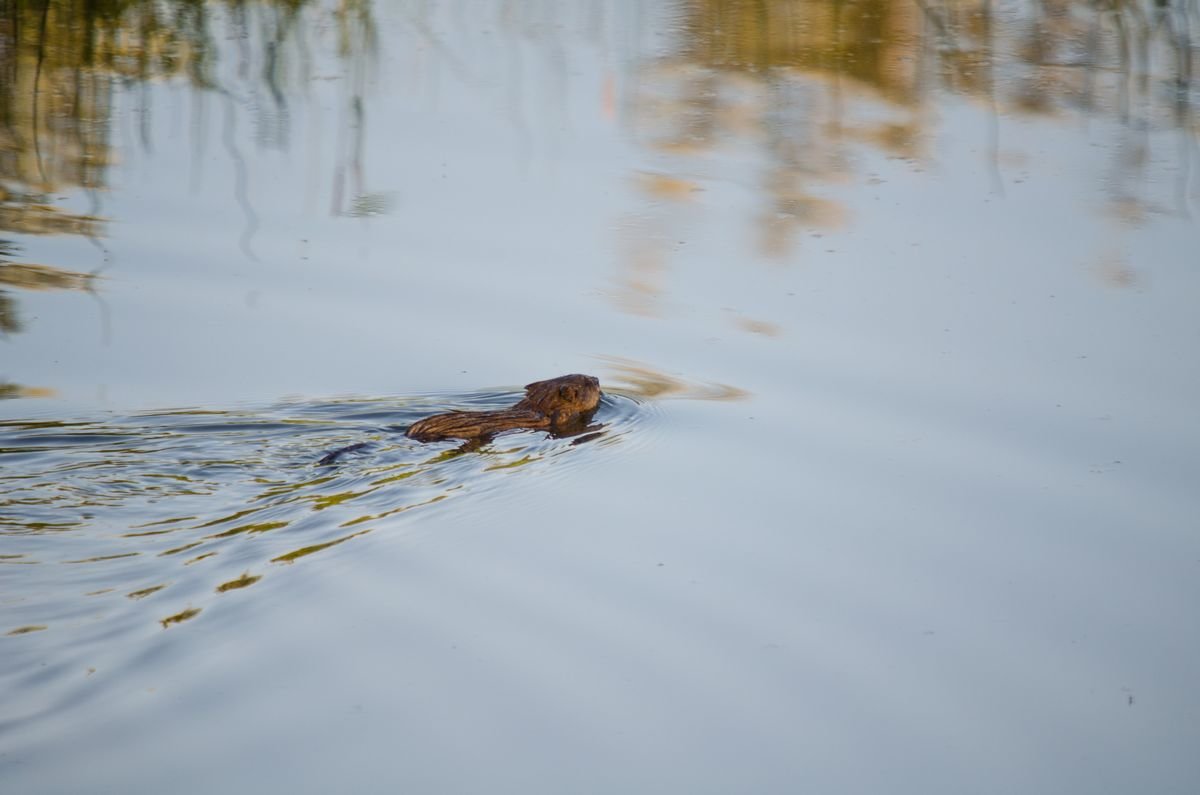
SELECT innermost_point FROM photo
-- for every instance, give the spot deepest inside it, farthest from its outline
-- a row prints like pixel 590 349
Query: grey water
pixel 893 304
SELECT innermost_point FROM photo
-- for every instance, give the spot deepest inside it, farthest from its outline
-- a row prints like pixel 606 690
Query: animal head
pixel 563 397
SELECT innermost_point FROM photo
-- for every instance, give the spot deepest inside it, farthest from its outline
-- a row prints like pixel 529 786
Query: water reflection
pixel 29 276
pixel 67 65
pixel 43 277
pixel 9 390
pixel 26 630
pixel 801 89
pixel 180 617
pixel 244 581
pixel 804 88
pixel 644 382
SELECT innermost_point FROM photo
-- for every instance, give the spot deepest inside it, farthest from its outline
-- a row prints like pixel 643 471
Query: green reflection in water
pixel 35 527
pixel 399 509
pixel 304 551
pixel 241 582
pixel 144 592
pixel 395 478
pixel 177 550
pixel 27 629
pixel 279 489
pixel 512 464
pixel 230 518
pixel 180 617
pixel 260 527
pixel 102 558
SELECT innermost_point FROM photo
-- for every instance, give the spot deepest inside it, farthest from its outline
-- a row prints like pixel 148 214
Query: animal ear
pixel 566 392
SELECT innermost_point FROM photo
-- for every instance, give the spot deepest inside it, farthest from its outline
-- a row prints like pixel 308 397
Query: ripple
pixel 152 517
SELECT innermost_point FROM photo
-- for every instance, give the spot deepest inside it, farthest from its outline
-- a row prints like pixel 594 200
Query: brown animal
pixel 563 406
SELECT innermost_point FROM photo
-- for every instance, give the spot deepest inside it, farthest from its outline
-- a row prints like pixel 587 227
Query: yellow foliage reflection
pixel 180 617
pixel 8 390
pixel 802 86
pixel 244 581
pixel 645 382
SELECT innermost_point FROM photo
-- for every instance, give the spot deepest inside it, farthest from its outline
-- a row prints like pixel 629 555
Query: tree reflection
pixel 28 276
pixel 65 63
pixel 806 82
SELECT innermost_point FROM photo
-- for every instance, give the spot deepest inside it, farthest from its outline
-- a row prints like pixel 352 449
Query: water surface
pixel 893 302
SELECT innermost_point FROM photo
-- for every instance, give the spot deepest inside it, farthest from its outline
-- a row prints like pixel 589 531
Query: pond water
pixel 894 307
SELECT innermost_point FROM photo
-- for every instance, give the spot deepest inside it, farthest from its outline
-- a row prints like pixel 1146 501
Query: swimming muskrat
pixel 563 406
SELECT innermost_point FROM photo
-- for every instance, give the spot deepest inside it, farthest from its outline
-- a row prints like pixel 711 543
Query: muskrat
pixel 563 406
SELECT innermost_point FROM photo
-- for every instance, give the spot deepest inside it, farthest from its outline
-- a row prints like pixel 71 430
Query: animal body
pixel 563 406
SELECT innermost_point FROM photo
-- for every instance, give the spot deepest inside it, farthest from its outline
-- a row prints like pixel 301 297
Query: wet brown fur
pixel 560 405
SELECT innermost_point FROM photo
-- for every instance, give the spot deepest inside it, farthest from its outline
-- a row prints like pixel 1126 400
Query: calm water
pixel 894 304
